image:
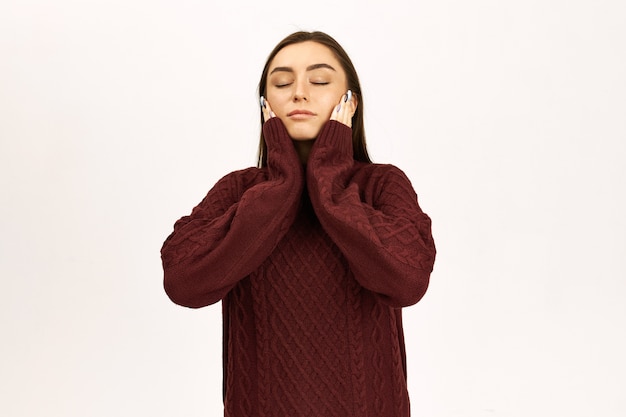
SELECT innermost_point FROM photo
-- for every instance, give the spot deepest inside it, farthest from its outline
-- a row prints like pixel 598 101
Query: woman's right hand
pixel 282 159
pixel 266 109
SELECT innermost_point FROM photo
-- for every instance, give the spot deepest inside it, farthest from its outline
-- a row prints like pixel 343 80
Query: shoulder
pixel 370 173
pixel 244 177
pixel 232 185
pixel 382 183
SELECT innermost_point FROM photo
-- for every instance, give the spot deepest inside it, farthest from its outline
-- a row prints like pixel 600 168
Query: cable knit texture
pixel 312 266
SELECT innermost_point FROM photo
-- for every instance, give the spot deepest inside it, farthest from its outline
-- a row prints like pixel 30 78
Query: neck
pixel 303 148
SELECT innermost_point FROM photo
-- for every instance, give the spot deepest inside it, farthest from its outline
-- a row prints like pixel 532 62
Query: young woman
pixel 313 253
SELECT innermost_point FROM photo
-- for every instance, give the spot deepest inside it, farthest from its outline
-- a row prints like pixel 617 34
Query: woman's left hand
pixel 346 108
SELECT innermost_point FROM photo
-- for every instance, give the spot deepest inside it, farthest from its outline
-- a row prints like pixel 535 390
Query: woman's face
pixel 304 85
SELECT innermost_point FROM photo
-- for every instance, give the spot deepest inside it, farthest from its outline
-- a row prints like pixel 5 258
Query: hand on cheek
pixel 266 109
pixel 344 111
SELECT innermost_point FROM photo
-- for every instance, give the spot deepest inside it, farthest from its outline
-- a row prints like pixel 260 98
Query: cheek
pixel 330 103
pixel 277 100
pixel 328 110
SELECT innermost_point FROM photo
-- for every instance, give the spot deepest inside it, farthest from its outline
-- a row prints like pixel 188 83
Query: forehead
pixel 303 54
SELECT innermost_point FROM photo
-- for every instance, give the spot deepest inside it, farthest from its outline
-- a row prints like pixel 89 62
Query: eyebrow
pixel 309 68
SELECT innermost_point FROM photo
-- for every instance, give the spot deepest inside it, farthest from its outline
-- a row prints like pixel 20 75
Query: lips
pixel 300 113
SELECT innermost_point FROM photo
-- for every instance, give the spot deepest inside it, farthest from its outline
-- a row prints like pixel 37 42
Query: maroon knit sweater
pixel 312 266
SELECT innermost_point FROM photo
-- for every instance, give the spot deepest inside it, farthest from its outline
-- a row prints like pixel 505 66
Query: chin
pixel 303 132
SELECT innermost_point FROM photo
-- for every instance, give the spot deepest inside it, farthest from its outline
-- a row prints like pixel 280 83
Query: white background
pixel 117 116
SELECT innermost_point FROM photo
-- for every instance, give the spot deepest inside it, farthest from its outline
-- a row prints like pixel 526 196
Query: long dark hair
pixel 358 129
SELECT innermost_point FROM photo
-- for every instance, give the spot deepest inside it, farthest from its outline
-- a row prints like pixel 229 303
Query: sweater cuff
pixel 274 131
pixel 337 137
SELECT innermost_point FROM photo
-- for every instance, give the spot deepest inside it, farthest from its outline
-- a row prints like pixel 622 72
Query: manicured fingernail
pixel 262 100
pixel 348 96
pixel 272 114
pixel 338 108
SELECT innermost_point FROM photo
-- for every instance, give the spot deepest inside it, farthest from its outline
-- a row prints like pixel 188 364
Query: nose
pixel 301 92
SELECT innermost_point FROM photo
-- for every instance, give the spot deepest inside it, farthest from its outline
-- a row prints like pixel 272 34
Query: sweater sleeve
pixel 235 227
pixel 373 216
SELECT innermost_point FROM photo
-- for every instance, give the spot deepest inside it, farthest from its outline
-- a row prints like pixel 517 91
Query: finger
pixel 266 109
pixel 336 113
pixel 348 109
pixel 263 108
pixel 344 111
